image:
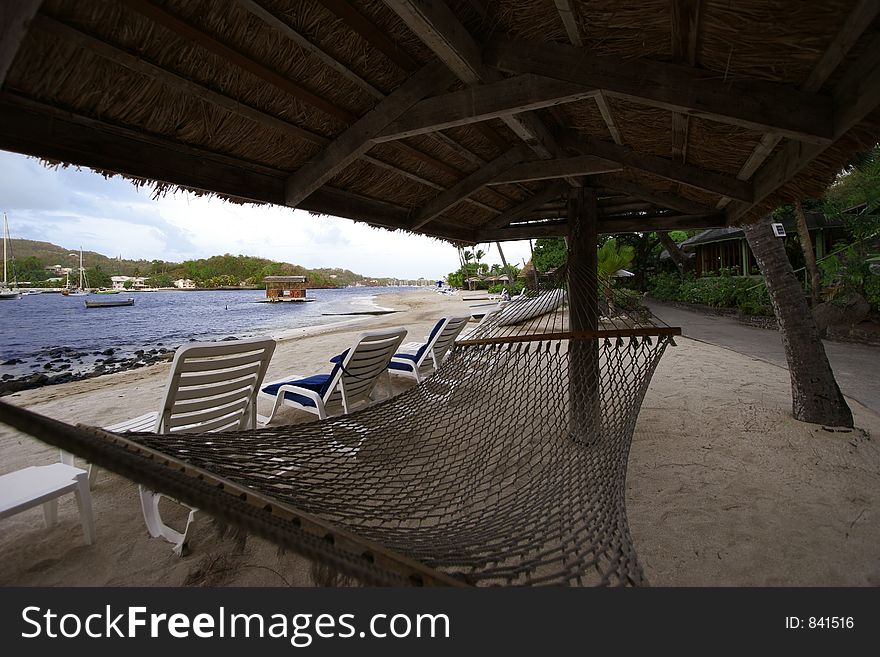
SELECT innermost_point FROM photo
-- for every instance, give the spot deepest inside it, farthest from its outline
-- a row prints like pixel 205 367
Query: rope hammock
pixel 506 467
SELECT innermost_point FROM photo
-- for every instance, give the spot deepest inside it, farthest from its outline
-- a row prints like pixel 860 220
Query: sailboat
pixel 6 292
pixel 80 291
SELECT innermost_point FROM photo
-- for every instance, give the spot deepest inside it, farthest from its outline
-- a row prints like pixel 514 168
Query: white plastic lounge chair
pixel 44 484
pixel 420 359
pixel 212 387
pixel 350 383
pixel 485 322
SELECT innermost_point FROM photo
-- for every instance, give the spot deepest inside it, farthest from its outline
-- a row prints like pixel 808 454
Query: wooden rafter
pixel 584 165
pixel 194 35
pixel 439 29
pixel 603 226
pixel 258 10
pixel 483 102
pixel 685 34
pixel 569 22
pixel 753 104
pixel 858 20
pixel 40 130
pixel 683 173
pixel 521 210
pixel 233 105
pixel 15 16
pixel 465 187
pixel 371 34
pixel 172 80
pixel 854 97
pixel 357 139
pixel 660 199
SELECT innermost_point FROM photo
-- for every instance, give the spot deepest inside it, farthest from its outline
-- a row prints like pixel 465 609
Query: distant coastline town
pixel 46 266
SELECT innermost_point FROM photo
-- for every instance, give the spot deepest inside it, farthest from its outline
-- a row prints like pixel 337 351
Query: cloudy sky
pixel 74 208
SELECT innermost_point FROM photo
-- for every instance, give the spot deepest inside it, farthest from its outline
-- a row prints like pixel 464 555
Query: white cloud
pixel 73 207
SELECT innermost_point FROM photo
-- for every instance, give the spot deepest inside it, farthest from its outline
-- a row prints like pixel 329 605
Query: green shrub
pixel 665 286
pixel 872 291
pixel 627 299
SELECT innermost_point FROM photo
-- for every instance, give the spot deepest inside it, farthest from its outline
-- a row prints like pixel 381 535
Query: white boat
pixel 80 291
pixel 6 292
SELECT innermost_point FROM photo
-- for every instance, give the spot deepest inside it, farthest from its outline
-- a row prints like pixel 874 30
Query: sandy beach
pixel 724 487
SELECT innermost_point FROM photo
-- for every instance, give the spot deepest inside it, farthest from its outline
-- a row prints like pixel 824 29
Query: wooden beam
pixel 858 20
pixel 40 130
pixel 585 165
pixel 15 17
pixel 439 29
pixel 362 208
pixel 671 201
pixel 569 22
pixel 754 104
pixel 552 191
pixel 855 96
pixel 357 139
pixel 483 102
pixel 172 80
pixel 371 33
pixel 608 117
pixel 194 35
pixel 464 188
pixel 604 226
pixel 258 10
pixel 523 232
pixel 685 15
pixel 685 19
pixel 610 210
pixel 676 171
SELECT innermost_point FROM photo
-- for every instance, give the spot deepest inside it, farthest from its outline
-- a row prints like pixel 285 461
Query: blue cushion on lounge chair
pixel 338 358
pixel 406 367
pixel 434 332
pixel 317 383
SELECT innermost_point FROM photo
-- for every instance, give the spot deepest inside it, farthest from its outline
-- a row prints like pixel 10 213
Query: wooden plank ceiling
pixel 483 130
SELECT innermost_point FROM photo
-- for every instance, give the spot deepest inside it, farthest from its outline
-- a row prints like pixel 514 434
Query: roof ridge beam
pixel 753 104
pixel 357 139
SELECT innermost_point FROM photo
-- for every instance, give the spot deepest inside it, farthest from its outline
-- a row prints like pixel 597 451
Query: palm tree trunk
pixel 678 256
pixel 507 268
pixel 815 394
pixel 809 253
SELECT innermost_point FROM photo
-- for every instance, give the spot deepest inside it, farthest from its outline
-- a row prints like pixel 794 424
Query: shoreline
pixel 59 365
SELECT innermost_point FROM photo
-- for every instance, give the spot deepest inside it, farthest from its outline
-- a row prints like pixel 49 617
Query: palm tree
pixel 815 394
pixel 611 258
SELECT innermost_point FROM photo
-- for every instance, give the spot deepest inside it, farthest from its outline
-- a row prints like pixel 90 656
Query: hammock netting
pixel 506 467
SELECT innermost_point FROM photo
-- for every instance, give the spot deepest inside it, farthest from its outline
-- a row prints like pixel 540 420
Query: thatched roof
pixel 467 120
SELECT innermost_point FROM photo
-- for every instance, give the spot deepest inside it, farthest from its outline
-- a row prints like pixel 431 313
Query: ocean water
pixel 37 324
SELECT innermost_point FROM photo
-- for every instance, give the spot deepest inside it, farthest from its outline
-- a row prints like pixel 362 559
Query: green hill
pixel 32 258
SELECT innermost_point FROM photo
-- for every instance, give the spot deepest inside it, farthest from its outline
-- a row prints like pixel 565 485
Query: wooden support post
pixel 583 313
